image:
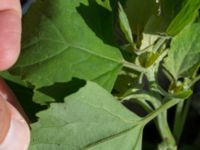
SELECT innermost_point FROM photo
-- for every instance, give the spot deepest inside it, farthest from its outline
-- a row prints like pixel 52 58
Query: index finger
pixel 10 32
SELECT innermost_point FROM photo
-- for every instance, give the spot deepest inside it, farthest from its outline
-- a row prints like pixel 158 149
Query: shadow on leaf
pixel 24 95
pixel 59 91
pixel 99 19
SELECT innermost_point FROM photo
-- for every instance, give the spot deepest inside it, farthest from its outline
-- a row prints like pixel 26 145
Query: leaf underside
pixel 90 119
pixel 184 55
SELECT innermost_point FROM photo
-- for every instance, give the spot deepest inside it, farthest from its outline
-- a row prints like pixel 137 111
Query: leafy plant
pixel 81 60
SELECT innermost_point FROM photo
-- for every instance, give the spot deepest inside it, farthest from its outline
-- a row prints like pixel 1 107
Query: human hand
pixel 14 131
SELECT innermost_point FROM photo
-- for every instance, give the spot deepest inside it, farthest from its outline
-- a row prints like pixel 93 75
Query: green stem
pixel 144 97
pixel 178 121
pixel 164 128
pixel 142 103
pixel 161 121
pixel 180 118
pixel 160 43
pixel 161 109
pixel 132 66
pixel 181 115
pixel 194 81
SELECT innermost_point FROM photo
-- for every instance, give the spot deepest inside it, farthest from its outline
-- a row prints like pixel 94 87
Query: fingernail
pixel 18 135
pixel 5 119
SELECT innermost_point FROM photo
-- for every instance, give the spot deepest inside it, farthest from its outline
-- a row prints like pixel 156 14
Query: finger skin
pixel 14 130
pixel 8 95
pixel 5 118
pixel 10 32
pixel 18 135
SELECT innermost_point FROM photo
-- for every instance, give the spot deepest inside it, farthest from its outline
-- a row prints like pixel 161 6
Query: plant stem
pixel 180 118
pixel 165 128
pixel 194 81
pixel 144 97
pixel 181 114
pixel 178 121
pixel 161 109
pixel 133 66
pixel 160 43
pixel 161 121
pixel 141 102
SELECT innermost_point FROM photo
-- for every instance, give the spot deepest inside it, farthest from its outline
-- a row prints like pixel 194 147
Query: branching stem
pixel 133 67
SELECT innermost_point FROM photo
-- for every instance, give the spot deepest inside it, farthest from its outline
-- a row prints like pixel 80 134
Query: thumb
pixel 10 32
pixel 14 131
pixel 17 136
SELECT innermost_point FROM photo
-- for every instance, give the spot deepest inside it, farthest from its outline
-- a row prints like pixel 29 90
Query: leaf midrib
pixel 106 139
pixel 90 51
pixel 96 143
pixel 76 47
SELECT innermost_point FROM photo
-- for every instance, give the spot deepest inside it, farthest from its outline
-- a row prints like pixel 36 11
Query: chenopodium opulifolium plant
pixel 112 48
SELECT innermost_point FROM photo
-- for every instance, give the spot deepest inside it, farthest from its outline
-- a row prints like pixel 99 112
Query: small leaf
pixel 184 17
pixel 148 59
pixel 148 40
pixel 183 94
pixel 124 24
pixel 105 4
pixel 184 55
pixel 90 119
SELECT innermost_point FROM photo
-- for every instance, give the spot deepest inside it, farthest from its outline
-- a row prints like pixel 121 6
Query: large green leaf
pixel 173 16
pixel 184 55
pixel 170 8
pixel 139 12
pixel 90 119
pixel 186 16
pixel 59 44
